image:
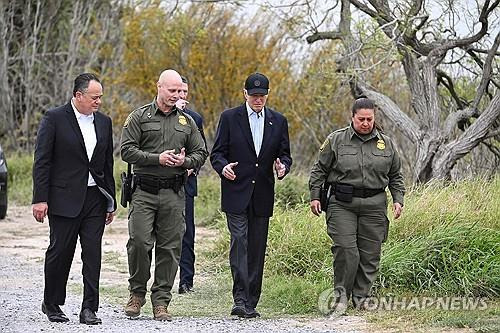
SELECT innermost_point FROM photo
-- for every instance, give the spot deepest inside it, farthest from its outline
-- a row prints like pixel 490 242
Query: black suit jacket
pixel 254 174
pixel 191 186
pixel 61 165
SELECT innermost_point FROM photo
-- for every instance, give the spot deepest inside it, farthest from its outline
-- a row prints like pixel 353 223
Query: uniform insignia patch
pixel 381 144
pixel 324 145
pixel 127 120
pixel 182 120
pixel 149 114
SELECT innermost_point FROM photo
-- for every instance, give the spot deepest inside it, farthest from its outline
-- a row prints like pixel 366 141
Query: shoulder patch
pixel 127 120
pixel 340 130
pixel 324 144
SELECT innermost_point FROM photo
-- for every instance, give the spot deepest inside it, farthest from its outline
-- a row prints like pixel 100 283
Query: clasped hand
pixel 170 159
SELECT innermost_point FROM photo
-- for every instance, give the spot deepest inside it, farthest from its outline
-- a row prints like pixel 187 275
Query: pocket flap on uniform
pixel 183 128
pixel 381 152
pixel 150 126
pixel 347 150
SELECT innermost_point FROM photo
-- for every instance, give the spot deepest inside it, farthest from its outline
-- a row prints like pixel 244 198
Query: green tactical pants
pixel 357 229
pixel 155 218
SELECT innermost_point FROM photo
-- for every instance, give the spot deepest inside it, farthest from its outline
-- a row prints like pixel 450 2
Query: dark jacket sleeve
pixel 42 159
pixel 221 145
pixel 108 165
pixel 284 152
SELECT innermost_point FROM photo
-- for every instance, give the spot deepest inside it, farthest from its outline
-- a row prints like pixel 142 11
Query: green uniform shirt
pixel 148 131
pixel 363 161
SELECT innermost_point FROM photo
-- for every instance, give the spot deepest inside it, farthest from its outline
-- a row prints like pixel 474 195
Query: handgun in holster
pixel 127 186
pixel 324 195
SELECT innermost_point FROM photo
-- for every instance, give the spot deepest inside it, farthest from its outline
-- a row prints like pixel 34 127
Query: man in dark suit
pixel 73 185
pixel 186 262
pixel 251 140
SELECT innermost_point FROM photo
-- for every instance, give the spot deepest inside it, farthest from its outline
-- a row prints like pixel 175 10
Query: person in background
pixel 73 185
pixel 251 141
pixel 186 263
pixel 358 162
pixel 161 143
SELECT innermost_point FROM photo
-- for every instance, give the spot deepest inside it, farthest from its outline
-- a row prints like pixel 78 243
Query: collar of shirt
pixel 250 112
pixel 81 116
pixel 157 109
pixel 364 137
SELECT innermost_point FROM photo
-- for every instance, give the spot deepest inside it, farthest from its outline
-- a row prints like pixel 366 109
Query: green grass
pixel 484 320
pixel 19 167
pixel 447 243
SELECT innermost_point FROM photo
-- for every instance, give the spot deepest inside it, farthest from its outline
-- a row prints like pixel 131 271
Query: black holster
pixel 324 195
pixel 344 192
pixel 127 186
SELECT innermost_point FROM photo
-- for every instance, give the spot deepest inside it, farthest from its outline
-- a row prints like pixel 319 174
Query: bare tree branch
pixel 392 112
pixel 478 60
pixel 493 133
pixel 495 150
pixel 456 117
pixel 324 35
pixel 475 49
pixel 446 81
pixel 462 42
pixel 474 135
pixel 487 69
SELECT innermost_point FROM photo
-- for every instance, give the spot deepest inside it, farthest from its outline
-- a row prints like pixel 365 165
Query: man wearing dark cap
pixel 250 142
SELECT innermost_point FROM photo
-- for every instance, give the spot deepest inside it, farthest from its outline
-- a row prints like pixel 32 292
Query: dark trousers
pixel 186 262
pixel 246 255
pixel 64 232
pixel 357 230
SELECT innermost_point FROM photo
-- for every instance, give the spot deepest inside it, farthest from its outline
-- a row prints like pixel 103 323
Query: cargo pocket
pixel 386 229
pixel 130 209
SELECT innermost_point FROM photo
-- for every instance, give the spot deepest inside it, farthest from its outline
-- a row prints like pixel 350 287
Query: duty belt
pixel 153 184
pixel 363 192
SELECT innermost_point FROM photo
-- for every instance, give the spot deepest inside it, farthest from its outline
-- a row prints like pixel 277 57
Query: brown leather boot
pixel 133 307
pixel 160 312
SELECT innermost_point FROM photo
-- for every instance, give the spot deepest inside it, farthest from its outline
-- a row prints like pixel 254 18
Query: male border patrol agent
pixel 359 162
pixel 161 142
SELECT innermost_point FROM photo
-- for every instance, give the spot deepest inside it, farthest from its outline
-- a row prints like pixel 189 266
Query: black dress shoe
pixel 54 313
pixel 239 310
pixel 185 288
pixel 252 313
pixel 88 317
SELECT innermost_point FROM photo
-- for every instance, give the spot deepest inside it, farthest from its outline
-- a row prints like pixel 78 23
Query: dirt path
pixel 22 246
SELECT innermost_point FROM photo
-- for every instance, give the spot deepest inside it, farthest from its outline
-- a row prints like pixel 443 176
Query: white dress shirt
pixel 87 128
pixel 256 121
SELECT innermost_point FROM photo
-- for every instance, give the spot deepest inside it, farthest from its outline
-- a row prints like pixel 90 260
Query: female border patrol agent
pixel 356 163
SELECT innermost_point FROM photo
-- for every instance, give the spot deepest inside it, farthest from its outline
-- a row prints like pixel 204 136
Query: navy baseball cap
pixel 257 83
